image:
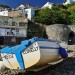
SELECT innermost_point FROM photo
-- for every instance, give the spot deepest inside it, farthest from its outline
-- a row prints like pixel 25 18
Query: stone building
pixel 12 30
pixel 15 13
pixel 62 32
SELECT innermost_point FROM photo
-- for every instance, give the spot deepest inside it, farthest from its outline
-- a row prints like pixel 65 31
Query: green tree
pixel 72 16
pixel 43 16
pixel 47 16
pixel 63 17
pixel 59 7
pixel 71 9
pixel 59 14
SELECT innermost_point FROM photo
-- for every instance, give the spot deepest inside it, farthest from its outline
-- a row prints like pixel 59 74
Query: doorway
pixel 1 40
pixel 71 38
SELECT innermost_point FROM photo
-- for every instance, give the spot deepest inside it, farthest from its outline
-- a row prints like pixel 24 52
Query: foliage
pixel 71 9
pixel 58 14
pixel 72 17
pixel 43 16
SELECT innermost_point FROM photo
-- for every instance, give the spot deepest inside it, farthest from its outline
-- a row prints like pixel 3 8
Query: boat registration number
pixel 8 56
pixel 30 50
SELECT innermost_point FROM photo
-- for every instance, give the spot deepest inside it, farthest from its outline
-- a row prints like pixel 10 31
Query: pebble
pixel 67 67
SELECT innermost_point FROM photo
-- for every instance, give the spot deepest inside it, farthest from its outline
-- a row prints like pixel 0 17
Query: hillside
pixel 59 14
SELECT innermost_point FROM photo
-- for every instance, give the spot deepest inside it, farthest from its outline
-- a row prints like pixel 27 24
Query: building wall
pixel 12 30
pixel 17 26
pixel 29 13
pixel 15 13
pixel 4 13
pixel 32 13
pixel 48 5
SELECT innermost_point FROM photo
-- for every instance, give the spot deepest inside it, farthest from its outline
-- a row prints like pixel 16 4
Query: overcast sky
pixel 38 3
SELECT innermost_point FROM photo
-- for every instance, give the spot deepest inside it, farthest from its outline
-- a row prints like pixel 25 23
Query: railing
pixel 6 23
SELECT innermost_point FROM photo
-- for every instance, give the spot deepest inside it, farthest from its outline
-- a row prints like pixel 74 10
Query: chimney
pixel 27 5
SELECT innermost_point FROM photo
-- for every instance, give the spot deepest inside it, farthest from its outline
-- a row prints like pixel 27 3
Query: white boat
pixel 33 54
pixel 2 66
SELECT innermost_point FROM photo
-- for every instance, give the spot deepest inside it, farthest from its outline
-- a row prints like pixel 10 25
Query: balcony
pixel 7 24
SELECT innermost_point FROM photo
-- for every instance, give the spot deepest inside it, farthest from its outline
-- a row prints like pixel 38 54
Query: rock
pixel 58 32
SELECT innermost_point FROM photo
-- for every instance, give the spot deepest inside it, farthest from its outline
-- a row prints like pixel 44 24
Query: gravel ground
pixel 67 67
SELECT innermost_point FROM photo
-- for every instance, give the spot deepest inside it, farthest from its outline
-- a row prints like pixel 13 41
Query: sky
pixel 36 3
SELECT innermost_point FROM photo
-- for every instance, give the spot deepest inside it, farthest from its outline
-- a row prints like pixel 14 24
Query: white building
pixel 3 10
pixel 21 6
pixel 4 13
pixel 48 5
pixel 68 2
pixel 28 12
